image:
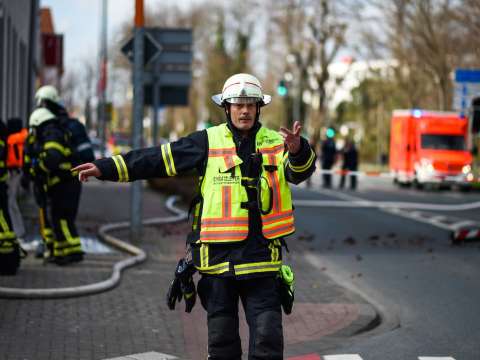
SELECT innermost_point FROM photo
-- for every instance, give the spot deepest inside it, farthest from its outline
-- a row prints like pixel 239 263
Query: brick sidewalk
pixel 133 317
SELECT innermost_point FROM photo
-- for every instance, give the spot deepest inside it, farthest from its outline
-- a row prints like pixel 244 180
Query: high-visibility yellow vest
pixel 223 219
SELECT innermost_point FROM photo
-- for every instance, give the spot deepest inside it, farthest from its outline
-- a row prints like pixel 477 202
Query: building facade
pixel 18 57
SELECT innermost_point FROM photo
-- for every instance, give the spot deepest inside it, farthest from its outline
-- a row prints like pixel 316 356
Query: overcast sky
pixel 79 21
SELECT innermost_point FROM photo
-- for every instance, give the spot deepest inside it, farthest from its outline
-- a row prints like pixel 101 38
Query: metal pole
pixel 103 80
pixel 138 100
pixel 155 112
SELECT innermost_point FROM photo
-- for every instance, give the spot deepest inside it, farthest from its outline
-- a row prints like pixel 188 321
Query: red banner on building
pixel 52 45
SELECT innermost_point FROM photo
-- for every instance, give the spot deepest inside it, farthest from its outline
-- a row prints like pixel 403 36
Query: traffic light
pixel 282 89
pixel 476 115
pixel 330 132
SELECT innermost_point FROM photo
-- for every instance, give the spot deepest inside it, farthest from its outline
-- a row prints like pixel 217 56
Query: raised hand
pixel 87 170
pixel 292 138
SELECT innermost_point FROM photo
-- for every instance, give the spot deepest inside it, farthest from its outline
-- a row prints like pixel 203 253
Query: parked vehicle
pixel 430 147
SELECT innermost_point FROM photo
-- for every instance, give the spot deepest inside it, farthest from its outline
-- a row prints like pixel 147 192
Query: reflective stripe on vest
pixel 223 220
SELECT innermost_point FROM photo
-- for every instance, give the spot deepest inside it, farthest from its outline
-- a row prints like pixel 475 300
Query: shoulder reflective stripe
pixel 4 223
pixel 302 168
pixel 168 159
pixel 119 168
pixel 124 167
pixel 57 146
pixel 4 177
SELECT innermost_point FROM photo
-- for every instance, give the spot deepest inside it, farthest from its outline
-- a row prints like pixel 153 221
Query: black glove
pixel 189 293
pixel 174 293
pixel 182 286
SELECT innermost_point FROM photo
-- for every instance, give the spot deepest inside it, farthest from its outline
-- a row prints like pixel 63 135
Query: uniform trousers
pixel 261 301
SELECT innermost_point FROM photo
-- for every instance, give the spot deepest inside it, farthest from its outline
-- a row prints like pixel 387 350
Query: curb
pixel 139 256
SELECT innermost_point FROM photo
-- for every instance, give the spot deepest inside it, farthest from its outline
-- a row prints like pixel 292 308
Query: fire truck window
pixel 443 142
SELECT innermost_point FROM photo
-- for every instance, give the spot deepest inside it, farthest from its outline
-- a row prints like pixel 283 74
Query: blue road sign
pixel 467 76
pixel 467 87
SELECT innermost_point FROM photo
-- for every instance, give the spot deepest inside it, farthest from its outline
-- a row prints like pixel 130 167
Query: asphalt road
pixel 426 289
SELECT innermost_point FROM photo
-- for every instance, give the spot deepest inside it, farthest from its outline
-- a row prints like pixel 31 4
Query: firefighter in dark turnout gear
pixel 9 247
pixel 47 97
pixel 32 147
pixel 50 167
pixel 243 213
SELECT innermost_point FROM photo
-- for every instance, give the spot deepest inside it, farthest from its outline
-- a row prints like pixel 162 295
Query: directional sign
pixel 167 60
pixel 168 95
pixel 151 49
pixel 164 48
pixel 467 87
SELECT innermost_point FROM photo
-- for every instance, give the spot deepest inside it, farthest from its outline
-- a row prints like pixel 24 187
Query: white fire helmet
pixel 39 116
pixel 241 89
pixel 47 92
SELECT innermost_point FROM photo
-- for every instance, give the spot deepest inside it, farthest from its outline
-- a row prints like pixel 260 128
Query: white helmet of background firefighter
pixel 242 88
pixel 48 93
pixel 40 116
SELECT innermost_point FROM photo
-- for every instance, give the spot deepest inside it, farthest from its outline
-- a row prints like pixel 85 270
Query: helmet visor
pixel 243 100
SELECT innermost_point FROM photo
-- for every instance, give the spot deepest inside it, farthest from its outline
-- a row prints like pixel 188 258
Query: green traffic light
pixel 330 133
pixel 282 91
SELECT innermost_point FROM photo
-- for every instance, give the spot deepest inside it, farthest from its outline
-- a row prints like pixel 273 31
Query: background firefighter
pixel 243 213
pixel 51 164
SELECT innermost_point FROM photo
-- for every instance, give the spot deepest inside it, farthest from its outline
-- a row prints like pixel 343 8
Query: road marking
pixel 306 357
pixel 460 224
pixel 152 355
pixel 403 209
pixel 343 357
pixel 435 358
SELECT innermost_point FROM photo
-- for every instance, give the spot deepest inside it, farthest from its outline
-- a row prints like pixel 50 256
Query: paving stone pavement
pixel 133 317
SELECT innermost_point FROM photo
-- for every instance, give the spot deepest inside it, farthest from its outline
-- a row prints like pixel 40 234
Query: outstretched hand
pixel 87 170
pixel 292 138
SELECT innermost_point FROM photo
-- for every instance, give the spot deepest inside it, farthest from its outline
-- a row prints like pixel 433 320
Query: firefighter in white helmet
pixel 49 157
pixel 242 213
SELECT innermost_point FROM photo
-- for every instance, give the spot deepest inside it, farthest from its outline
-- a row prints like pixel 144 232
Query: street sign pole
pixel 136 187
pixel 156 94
